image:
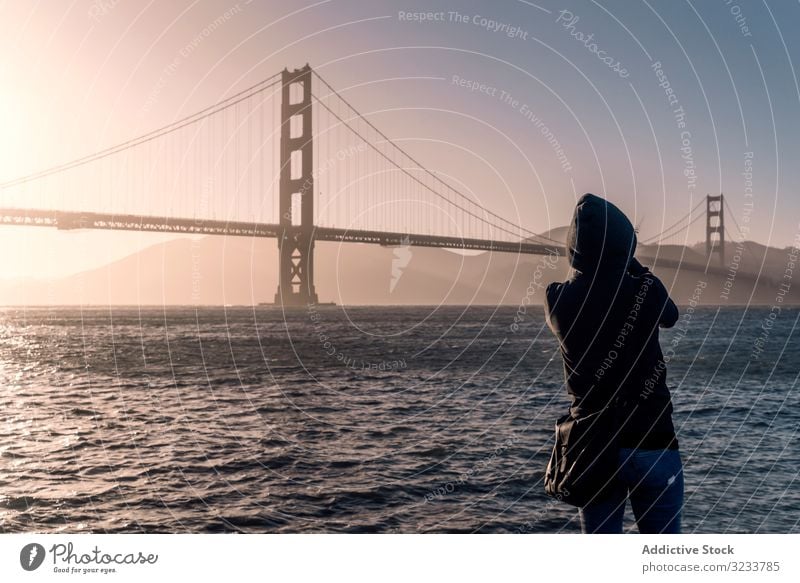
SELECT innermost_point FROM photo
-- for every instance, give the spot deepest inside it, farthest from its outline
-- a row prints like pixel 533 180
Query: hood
pixel 600 237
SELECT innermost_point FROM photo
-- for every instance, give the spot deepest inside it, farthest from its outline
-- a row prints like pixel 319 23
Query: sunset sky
pixel 78 77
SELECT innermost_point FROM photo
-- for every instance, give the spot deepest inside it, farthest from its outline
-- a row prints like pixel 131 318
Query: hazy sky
pixel 76 77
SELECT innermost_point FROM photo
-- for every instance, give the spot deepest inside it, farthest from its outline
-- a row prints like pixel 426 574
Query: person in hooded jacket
pixel 606 318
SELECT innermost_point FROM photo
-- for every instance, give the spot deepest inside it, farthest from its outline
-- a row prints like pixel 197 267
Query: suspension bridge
pixel 292 159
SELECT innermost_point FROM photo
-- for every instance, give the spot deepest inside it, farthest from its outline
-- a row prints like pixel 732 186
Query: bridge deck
pixel 86 220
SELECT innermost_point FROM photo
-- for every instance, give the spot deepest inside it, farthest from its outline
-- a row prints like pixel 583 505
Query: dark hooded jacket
pixel 606 318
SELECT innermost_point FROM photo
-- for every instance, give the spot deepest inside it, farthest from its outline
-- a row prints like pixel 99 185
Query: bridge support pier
pixel 296 197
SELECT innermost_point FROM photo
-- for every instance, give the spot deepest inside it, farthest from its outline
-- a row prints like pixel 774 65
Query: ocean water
pixel 402 419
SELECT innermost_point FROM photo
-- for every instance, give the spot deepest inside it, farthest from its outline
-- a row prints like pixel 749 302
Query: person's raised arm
pixel 669 311
pixel 669 314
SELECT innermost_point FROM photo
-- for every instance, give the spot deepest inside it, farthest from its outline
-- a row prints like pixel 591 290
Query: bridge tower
pixel 296 196
pixel 715 227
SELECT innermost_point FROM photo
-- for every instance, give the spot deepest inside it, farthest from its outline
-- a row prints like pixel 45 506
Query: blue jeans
pixel 653 479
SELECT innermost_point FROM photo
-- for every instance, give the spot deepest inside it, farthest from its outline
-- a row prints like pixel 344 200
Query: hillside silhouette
pixel 243 271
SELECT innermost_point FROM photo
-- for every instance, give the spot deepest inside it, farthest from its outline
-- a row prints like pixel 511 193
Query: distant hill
pixel 557 234
pixel 674 252
pixel 220 270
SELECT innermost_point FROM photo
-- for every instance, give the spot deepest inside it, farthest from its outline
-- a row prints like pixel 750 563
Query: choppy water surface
pixel 358 420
